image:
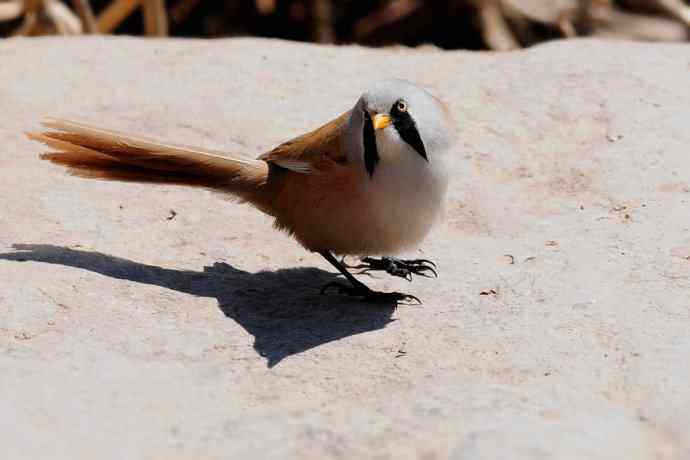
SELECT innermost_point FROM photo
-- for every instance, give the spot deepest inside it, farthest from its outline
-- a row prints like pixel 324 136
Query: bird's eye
pixel 401 106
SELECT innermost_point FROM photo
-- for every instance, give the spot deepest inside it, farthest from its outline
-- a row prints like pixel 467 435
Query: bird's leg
pixel 398 267
pixel 358 288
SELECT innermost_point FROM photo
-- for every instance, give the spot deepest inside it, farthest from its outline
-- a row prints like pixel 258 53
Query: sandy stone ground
pixel 163 322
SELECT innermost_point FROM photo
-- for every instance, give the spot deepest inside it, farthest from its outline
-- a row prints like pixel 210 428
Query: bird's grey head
pixel 397 113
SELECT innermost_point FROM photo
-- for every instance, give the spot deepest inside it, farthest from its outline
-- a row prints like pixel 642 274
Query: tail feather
pixel 97 153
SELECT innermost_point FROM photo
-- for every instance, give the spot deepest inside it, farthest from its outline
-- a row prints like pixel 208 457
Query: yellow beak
pixel 381 121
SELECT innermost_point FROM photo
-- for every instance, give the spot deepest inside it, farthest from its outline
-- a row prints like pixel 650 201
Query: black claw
pixel 420 262
pixel 400 268
pixel 409 297
pixel 368 294
pixel 358 289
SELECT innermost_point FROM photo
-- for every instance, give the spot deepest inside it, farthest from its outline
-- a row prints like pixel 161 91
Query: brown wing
pixel 315 151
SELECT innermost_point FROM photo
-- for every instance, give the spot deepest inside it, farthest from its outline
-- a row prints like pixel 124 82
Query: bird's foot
pixel 367 294
pixel 398 267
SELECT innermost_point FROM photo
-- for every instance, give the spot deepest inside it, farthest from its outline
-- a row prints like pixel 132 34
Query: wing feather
pixel 315 151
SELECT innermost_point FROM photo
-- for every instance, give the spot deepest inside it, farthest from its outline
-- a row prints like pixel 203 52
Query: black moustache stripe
pixel 407 129
pixel 371 153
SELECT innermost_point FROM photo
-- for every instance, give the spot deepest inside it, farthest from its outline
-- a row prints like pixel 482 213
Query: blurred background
pixel 450 24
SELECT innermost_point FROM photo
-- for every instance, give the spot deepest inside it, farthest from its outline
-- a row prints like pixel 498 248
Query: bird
pixel 371 182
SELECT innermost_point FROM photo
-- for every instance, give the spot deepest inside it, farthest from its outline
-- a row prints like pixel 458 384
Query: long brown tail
pixel 97 153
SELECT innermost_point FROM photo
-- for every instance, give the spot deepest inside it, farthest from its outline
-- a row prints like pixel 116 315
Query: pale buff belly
pixel 371 217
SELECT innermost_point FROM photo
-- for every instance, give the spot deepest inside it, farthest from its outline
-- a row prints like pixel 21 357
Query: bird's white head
pixel 397 118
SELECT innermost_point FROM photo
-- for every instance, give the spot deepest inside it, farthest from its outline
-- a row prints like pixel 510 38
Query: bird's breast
pixel 405 197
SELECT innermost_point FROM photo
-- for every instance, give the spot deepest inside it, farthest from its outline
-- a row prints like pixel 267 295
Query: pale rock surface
pixel 127 335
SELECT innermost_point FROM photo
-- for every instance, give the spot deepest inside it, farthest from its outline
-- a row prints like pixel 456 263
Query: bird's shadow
pixel 282 309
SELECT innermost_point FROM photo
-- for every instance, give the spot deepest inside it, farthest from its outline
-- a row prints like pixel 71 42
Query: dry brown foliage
pixel 493 24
